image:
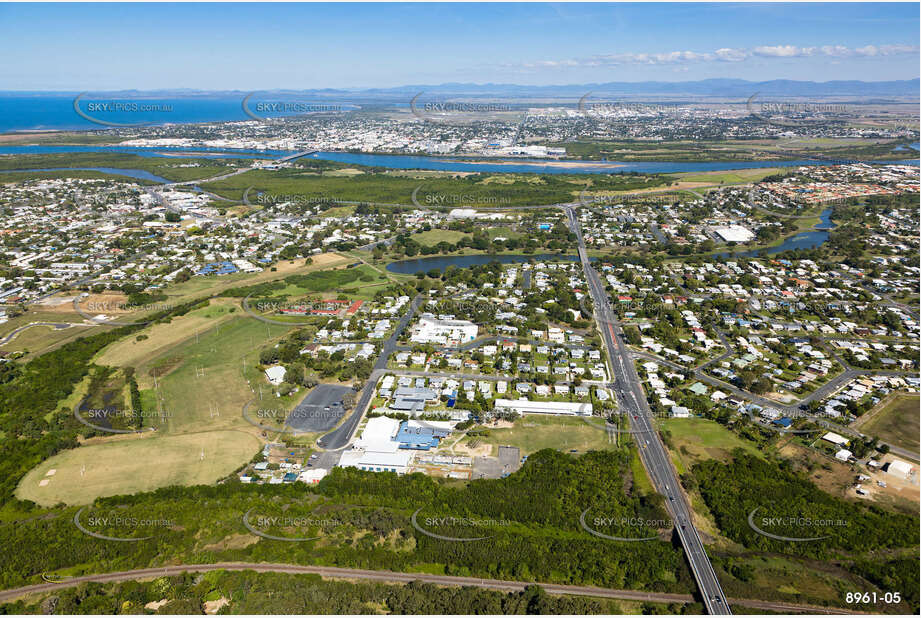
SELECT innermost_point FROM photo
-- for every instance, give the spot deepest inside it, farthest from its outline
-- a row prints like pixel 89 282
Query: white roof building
pixel 843 455
pixel 432 330
pixel 373 461
pixel 733 233
pixel 835 439
pixel 899 468
pixel 275 374
pixel 525 406
pixel 378 435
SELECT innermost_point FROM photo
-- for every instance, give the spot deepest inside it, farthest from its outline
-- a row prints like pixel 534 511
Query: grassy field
pixel 361 282
pixel 697 439
pixel 729 177
pixel 385 188
pixel 433 237
pixel 535 432
pixel 127 466
pixel 197 287
pixel 38 339
pixel 895 421
pixel 202 385
pixel 161 337
pixel 198 371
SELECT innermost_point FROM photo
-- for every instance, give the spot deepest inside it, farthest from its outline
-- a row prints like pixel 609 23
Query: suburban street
pixel 795 410
pixel 339 437
pixel 652 452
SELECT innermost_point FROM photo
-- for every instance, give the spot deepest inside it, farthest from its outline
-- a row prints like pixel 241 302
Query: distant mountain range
pixel 734 89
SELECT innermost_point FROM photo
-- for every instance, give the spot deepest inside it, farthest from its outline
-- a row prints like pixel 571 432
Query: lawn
pixel 37 339
pixel 202 385
pixel 361 282
pixel 433 237
pixel 699 439
pixel 127 466
pixel 162 336
pixel 197 287
pixel 896 421
pixel 729 176
pixel 535 432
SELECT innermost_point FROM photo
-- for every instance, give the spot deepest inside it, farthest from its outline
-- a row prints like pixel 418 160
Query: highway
pixel 390 577
pixel 652 452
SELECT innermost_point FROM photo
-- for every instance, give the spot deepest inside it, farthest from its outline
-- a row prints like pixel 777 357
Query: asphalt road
pixel 53 325
pixel 339 437
pixel 652 452
pixel 393 577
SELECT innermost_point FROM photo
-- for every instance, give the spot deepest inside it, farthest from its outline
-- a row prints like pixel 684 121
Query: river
pixel 413 162
pixel 441 262
pixel 118 171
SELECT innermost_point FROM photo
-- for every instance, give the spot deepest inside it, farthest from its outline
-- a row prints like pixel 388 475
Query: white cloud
pixel 779 51
pixel 725 54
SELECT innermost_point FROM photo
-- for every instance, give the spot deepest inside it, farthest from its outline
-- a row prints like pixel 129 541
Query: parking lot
pixel 320 410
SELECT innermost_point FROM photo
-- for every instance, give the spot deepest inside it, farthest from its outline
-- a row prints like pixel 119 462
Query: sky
pixel 112 46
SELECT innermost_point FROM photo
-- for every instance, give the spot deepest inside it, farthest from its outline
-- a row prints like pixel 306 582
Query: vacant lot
pixel 433 237
pixel 130 466
pixel 896 421
pixel 697 439
pixel 535 432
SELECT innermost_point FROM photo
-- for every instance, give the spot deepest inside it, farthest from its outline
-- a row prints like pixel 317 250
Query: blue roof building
pixel 217 268
pixel 419 438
